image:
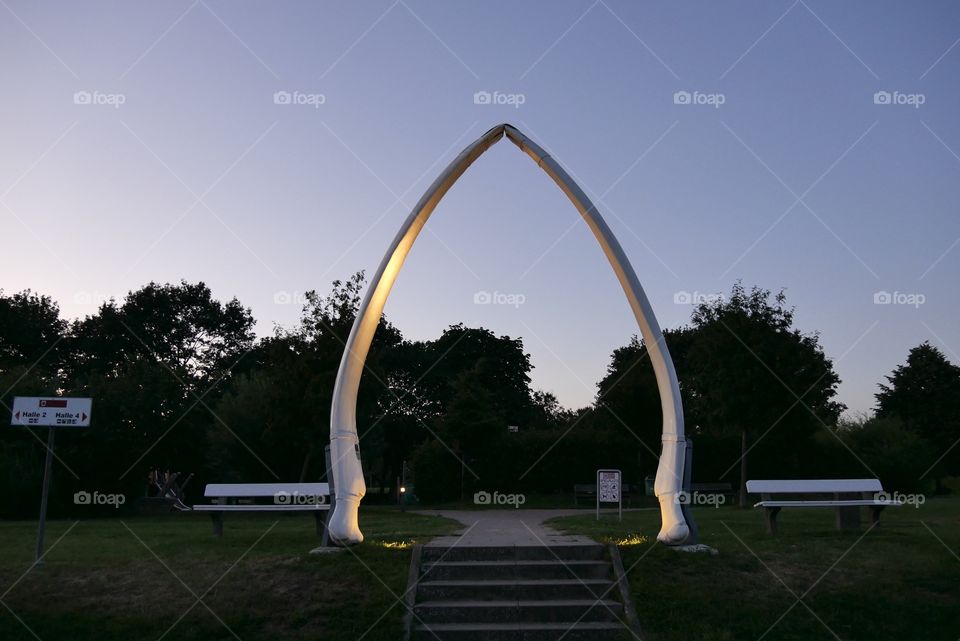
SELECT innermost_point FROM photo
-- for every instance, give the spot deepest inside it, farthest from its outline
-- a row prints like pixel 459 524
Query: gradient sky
pixel 797 181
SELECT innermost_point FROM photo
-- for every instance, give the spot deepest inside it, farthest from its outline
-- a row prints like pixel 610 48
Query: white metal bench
pixel 285 497
pixel 847 496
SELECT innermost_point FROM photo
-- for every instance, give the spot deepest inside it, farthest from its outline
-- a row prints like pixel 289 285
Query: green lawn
pixel 900 581
pixel 103 581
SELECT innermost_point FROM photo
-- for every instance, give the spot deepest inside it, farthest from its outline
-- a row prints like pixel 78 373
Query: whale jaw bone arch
pixel 350 488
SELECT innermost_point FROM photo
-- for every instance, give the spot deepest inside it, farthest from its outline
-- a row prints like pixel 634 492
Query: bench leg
pixel 217 518
pixel 875 511
pixel 771 517
pixel 848 518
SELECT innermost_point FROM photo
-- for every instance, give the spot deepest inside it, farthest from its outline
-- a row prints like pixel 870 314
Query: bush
pixel 896 455
pixel 436 473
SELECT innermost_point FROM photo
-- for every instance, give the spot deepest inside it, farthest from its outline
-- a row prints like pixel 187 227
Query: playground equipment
pixel 344 442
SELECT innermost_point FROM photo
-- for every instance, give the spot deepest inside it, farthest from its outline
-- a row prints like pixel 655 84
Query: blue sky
pixel 147 141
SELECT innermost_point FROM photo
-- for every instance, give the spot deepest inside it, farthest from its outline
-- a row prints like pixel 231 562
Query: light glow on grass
pixel 395 545
pixel 631 539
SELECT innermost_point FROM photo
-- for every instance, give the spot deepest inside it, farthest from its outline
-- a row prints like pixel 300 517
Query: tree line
pixel 181 383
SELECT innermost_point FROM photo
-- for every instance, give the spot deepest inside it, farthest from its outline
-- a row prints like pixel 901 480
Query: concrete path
pixel 508 527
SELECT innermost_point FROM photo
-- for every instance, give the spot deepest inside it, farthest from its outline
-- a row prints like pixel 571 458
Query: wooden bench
pixel 713 488
pixel 584 491
pixel 847 496
pixel 285 497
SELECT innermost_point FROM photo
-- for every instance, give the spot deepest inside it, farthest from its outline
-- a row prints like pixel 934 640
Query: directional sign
pixel 51 411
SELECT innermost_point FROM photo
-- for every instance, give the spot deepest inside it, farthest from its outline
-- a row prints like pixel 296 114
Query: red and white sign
pixel 51 411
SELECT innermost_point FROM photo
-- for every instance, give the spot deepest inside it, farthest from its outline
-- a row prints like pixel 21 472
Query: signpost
pixel 609 490
pixel 53 413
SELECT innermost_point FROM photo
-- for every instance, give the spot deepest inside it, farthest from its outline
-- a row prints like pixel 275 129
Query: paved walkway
pixel 506 527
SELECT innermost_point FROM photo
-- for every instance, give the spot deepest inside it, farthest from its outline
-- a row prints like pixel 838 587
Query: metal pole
pixel 598 494
pixel 325 539
pixel 694 537
pixel 403 486
pixel 47 466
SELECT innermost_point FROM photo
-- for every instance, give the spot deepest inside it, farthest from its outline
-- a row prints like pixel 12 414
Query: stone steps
pixel 517 593
pixel 553 569
pixel 521 632
pixel 538 611
pixel 565 552
pixel 515 589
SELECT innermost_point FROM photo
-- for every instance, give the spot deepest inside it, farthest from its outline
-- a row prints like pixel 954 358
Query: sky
pixel 268 149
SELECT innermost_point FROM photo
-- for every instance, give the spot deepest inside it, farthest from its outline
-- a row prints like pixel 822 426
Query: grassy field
pixel 899 581
pixel 140 578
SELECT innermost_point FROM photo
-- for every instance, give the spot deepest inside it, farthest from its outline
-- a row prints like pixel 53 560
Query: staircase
pixel 517 593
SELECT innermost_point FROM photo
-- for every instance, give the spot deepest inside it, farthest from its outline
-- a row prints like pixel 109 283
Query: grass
pixel 140 578
pixel 899 581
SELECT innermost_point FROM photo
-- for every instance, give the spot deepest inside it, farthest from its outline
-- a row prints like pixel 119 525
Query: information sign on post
pixel 609 490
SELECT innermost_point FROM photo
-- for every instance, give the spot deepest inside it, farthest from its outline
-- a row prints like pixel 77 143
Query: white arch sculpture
pixel 344 443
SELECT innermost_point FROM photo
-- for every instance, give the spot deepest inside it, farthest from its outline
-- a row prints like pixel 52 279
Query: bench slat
pixel 262 508
pixel 237 490
pixel 841 503
pixel 813 486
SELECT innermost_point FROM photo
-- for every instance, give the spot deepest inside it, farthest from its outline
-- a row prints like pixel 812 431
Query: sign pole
pixel 47 468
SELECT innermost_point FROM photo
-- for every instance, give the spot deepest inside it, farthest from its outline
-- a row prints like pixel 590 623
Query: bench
pixel 713 488
pixel 846 496
pixel 584 491
pixel 286 497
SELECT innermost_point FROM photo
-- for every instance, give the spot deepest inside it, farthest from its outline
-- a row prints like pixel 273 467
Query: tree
pixel 32 355
pixel 31 344
pixel 924 394
pixel 757 376
pixel 155 364
pixel 180 326
pixel 283 406
pixel 885 448
pixel 505 365
pixel 628 398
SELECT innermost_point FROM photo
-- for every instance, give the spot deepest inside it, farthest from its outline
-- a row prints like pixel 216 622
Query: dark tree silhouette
pixel 924 394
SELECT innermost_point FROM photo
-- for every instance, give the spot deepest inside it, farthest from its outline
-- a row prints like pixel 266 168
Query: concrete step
pixel 520 632
pixel 539 611
pixel 515 589
pixel 568 552
pixel 513 569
